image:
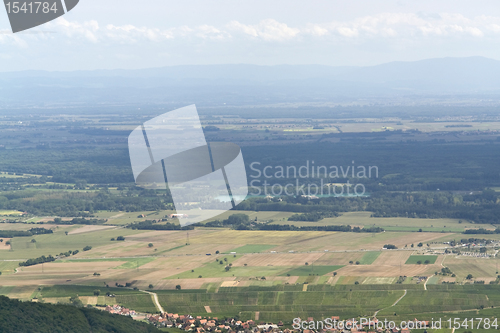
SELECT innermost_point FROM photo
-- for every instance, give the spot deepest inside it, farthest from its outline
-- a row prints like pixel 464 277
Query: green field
pixel 8 267
pixel 413 260
pixel 369 257
pixel 253 248
pixel 77 290
pixel 138 302
pixel 393 223
pixel 215 270
pixel 135 263
pixel 282 302
pixel 440 298
pixel 312 270
pixel 58 242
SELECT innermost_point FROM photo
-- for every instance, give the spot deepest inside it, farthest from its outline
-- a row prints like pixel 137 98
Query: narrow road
pixel 425 284
pixel 395 303
pixel 154 297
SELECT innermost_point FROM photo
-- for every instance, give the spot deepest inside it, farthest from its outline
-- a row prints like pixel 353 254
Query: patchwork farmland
pixel 280 274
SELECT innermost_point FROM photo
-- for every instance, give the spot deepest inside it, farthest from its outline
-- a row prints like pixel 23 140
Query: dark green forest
pixel 425 179
pixel 28 317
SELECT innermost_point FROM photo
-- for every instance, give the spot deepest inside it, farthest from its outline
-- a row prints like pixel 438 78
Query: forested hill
pixel 20 317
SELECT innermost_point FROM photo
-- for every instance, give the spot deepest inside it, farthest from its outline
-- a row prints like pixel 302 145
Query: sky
pixel 132 34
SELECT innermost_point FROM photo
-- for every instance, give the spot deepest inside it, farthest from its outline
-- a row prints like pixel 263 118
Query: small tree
pixel 357 262
pixel 75 301
pixel 427 262
pixel 97 292
pixel 120 238
pixel 178 287
pixel 150 245
pixel 469 277
pixel 217 252
pixel 334 273
pixel 33 240
pixel 87 248
pixel 151 286
pixel 307 263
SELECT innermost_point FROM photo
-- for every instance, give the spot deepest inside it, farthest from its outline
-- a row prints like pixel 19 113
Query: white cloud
pixel 267 30
pixel 384 25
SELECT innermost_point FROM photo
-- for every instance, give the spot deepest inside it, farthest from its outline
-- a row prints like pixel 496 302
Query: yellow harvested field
pixel 230 283
pixel 389 257
pixel 92 300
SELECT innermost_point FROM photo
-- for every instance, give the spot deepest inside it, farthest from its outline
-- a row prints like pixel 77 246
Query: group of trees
pixel 79 220
pixel 28 233
pixel 312 217
pixel 36 261
pixel 242 222
pixel 151 225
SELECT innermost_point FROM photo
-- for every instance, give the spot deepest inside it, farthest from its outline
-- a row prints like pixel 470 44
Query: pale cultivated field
pixel 479 268
pixel 55 300
pixel 379 280
pixel 4 246
pixel 343 258
pixel 241 238
pixel 75 267
pixel 390 264
pixel 88 300
pixel 230 284
pixel 277 259
pixel 90 228
pixel 389 257
pixel 388 270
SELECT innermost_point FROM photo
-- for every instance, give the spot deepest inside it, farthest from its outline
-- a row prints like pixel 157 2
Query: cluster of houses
pixel 199 324
pixel 117 309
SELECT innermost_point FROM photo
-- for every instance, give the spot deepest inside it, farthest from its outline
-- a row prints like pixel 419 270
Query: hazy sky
pixel 149 33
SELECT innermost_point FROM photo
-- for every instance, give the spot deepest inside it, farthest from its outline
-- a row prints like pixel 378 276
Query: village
pixel 201 324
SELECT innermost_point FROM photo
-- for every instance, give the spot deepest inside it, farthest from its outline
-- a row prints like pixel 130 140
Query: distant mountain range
pixel 213 85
